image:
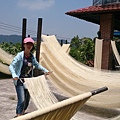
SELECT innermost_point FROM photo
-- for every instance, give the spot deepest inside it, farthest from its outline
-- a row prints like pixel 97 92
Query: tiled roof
pixel 92 13
pixel 97 9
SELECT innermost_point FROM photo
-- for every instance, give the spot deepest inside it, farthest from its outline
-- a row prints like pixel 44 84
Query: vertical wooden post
pixel 39 32
pixel 23 30
pixel 61 42
pixel 66 41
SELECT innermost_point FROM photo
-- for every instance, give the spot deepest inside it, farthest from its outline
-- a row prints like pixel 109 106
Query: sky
pixel 54 19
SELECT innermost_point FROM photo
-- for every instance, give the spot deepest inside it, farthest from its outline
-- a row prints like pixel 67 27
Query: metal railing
pixel 103 2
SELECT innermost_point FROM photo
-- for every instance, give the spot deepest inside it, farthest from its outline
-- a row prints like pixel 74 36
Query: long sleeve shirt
pixel 17 63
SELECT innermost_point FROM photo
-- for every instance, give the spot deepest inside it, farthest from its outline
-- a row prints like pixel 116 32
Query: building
pixel 105 13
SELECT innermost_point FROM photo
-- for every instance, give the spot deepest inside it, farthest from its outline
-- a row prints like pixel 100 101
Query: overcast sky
pixel 55 21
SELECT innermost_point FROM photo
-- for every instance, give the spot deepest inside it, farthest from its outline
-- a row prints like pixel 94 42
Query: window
pixel 98 2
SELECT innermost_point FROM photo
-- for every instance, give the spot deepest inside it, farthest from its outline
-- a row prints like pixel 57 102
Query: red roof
pixel 92 13
pixel 97 9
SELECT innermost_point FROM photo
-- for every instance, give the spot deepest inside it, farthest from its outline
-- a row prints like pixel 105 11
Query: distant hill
pixel 18 39
pixel 11 38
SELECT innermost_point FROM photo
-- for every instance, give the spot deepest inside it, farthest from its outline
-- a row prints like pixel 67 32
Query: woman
pixel 22 67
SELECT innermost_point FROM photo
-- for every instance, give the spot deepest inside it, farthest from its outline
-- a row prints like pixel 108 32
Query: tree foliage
pixel 11 48
pixel 82 49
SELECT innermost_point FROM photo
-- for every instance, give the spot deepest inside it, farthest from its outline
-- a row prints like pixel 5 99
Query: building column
pixel 107 29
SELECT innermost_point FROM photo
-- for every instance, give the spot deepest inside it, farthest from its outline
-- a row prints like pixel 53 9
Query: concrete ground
pixel 8 102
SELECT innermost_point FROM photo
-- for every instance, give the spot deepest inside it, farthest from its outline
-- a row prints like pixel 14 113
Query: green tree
pixel 82 49
pixel 11 48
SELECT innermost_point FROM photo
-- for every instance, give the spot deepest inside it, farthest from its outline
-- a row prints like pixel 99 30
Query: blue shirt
pixel 17 63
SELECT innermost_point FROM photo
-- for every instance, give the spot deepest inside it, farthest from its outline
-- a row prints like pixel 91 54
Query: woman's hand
pixel 16 78
pixel 47 73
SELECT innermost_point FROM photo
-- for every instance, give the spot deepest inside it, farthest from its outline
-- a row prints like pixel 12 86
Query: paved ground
pixel 8 105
